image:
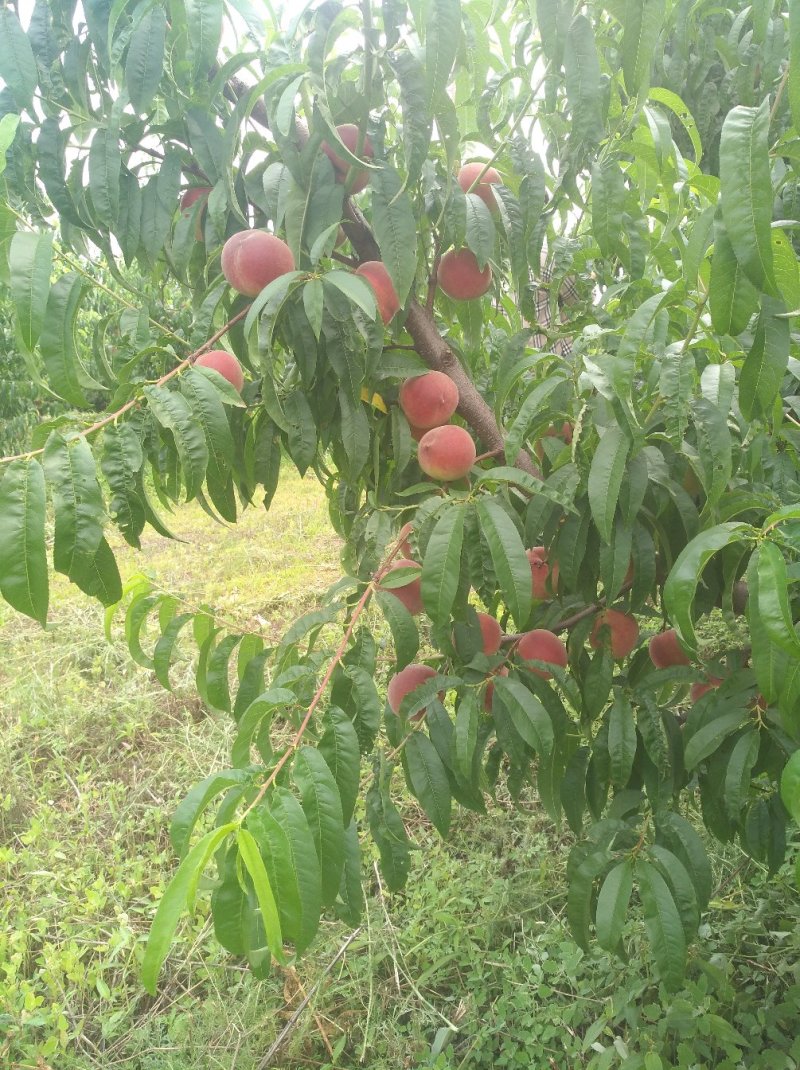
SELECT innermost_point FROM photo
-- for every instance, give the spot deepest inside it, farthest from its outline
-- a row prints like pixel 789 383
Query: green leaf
pixel 217 689
pixel 794 61
pixel 790 786
pixel 405 635
pixel 261 707
pixel 208 408
pixel 582 81
pixel 173 904
pixel 339 747
pixel 77 501
pixel 441 566
pixel 8 131
pixel 608 201
pixel 351 891
pixel 465 735
pixel 390 836
pixel 739 772
pixel 121 463
pixel 773 598
pixel 579 894
pixel 442 38
pixel 190 808
pixel 710 737
pixel 642 26
pixel 395 227
pixel 528 715
pixel 204 22
pixel 105 164
pixel 677 106
pixel 30 260
pixel 480 229
pixel 733 298
pixel 682 839
pixel 302 430
pixel 621 739
pixel 765 365
pixel 605 479
pixel 23 564
pixel 173 412
pixel 145 59
pixel 287 847
pixel 512 568
pixel 354 287
pixel 746 191
pixel 681 585
pixel 17 61
pixel 612 905
pixel 254 864
pixel 322 806
pixel 663 924
pixel 680 883
pixel 427 779
pixel 65 374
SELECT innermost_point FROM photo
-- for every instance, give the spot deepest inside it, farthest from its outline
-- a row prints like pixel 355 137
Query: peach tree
pixel 517 283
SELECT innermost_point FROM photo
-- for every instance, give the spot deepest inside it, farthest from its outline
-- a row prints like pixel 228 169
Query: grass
pixel 471 967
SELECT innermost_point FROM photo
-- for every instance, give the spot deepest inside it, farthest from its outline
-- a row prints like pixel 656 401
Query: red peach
pixel 446 453
pixel 467 175
pixel 542 645
pixel 194 194
pixel 545 579
pixel 252 259
pixel 491 633
pixel 348 133
pixel 488 694
pixel 404 682
pixel 226 364
pixel 623 629
pixel 374 271
pixel 410 594
pixel 701 687
pixel 665 650
pixel 460 277
pixel 428 400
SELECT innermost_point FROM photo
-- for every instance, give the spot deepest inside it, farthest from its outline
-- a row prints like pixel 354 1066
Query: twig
pixel 337 657
pixel 570 622
pixel 266 1062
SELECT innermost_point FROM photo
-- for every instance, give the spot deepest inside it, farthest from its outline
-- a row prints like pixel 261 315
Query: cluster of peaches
pixel 252 259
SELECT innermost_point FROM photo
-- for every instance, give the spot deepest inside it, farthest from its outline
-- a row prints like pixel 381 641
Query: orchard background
pixel 516 284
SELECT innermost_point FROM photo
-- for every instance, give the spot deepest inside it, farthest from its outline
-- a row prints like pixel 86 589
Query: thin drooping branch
pixel 112 417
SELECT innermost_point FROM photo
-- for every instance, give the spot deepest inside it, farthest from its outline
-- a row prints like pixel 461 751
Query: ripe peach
pixel 428 400
pixel 488 694
pixel 665 650
pixel 552 432
pixel 404 682
pixel 467 175
pixel 623 629
pixel 226 364
pixel 697 690
pixel 374 271
pixel 491 633
pixel 410 594
pixel 193 195
pixel 348 132
pixel 446 453
pixel 542 645
pixel 545 579
pixel 460 277
pixel 251 260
